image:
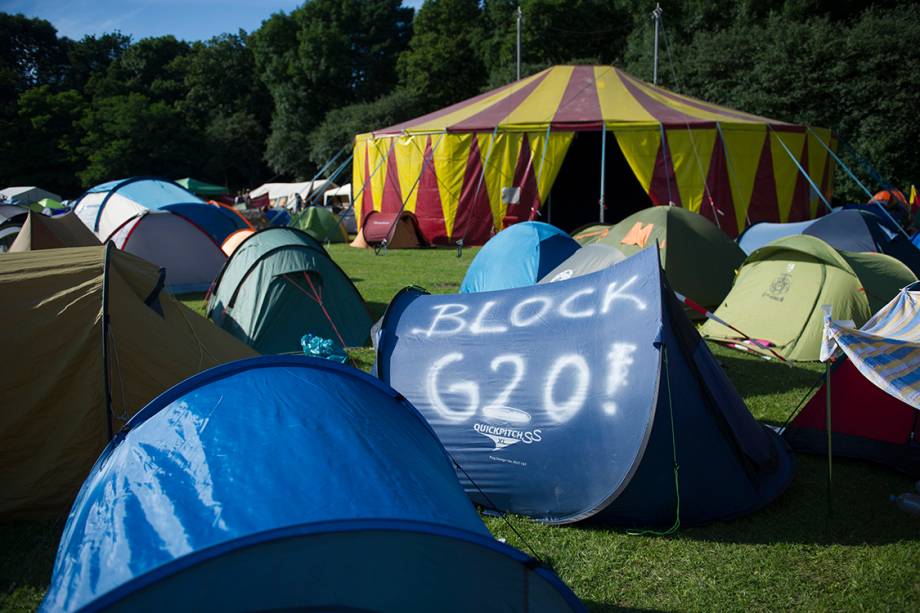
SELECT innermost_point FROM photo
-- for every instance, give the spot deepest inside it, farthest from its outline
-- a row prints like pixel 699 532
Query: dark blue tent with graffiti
pixel 576 399
pixel 285 483
pixel 517 257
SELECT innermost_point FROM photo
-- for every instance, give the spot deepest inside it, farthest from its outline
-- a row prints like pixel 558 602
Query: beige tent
pixel 43 232
pixel 70 381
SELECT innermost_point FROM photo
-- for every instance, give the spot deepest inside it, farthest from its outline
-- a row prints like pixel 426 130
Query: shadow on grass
pixel 603 607
pixel 861 512
pixel 377 309
pixel 756 376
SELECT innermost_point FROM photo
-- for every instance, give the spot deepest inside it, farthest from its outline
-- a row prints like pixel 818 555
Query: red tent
pixel 866 423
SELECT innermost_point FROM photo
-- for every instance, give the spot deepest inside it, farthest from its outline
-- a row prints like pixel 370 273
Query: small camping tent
pixel 163 223
pixel 91 339
pixel 875 389
pixel 763 233
pixel 588 259
pixel 43 232
pixel 25 196
pixel 591 233
pixel 371 517
pixel 699 260
pixel 518 256
pixel 866 423
pixel 201 188
pixel 778 293
pixel 394 230
pixel 280 284
pixel 320 223
pixel 576 399
pixel 11 219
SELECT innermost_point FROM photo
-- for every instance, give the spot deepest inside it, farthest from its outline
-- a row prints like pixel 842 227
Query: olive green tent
pixel 778 294
pixel 200 188
pixel 90 337
pixel 43 232
pixel 591 233
pixel 280 284
pixel 699 260
pixel 320 223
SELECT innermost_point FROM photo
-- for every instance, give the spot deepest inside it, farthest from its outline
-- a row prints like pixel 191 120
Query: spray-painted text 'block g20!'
pixel 544 395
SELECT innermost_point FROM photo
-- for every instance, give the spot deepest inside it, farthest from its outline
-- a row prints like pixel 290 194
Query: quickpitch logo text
pixel 505 437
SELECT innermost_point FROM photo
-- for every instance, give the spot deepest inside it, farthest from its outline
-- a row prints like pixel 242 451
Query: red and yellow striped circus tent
pixel 471 169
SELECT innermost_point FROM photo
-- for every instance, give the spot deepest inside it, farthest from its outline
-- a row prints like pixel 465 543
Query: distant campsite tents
pixel 518 256
pixel 91 337
pixel 778 293
pixel 163 223
pixel 471 169
pixel 320 223
pixel 577 399
pixel 699 260
pixel 24 196
pixel 43 232
pixel 283 484
pixel 280 284
pixel 285 194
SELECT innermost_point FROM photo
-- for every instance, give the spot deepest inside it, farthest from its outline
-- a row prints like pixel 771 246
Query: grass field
pixel 791 555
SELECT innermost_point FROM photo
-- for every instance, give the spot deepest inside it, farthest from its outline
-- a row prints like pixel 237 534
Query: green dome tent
pixel 781 287
pixel 699 260
pixel 281 284
pixel 320 223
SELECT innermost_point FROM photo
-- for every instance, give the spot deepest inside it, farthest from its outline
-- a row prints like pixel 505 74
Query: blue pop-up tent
pixel 283 483
pixel 518 256
pixel 575 399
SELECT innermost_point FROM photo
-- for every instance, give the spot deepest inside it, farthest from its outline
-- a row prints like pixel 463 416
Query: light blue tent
pixel 518 256
pixel 283 483
pixel 764 233
pixel 575 399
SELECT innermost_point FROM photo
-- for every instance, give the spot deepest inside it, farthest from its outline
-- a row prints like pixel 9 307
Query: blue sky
pixel 189 19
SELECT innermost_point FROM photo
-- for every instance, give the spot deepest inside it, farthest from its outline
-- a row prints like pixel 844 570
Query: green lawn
pixel 790 555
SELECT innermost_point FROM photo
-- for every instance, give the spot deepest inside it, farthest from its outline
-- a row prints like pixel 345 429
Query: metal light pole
pixel 520 17
pixel 656 15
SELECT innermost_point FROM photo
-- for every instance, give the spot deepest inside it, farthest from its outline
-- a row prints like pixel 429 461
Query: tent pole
pixel 600 202
pixel 801 170
pixel 827 426
pixel 656 15
pixel 841 163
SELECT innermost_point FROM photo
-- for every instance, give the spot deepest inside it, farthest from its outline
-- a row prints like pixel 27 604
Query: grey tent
pixel 588 259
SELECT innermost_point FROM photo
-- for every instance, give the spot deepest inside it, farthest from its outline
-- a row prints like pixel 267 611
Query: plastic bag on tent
pixel 319 347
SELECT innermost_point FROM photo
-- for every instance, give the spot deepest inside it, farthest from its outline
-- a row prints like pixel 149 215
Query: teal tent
pixel 281 284
pixel 202 189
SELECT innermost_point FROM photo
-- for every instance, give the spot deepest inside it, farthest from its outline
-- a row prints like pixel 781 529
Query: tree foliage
pixel 241 108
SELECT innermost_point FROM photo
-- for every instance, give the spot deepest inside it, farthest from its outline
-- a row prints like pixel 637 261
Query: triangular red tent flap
pixel 525 180
pixel 663 188
pixel 800 209
pixel 764 205
pixel 473 223
pixel 720 191
pixel 392 199
pixel 428 209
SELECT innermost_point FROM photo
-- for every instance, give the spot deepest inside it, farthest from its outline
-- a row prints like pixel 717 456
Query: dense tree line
pixel 243 108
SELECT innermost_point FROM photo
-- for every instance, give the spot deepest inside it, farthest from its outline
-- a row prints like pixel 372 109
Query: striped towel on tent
pixel 886 350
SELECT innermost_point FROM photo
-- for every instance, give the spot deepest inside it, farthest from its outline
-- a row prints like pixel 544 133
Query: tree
pixel 131 134
pixel 151 66
pixel 442 64
pixel 324 55
pixel 92 55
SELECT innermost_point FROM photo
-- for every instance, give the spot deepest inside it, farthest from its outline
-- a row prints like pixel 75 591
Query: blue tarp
pixel 555 401
pixel 285 483
pixel 518 256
